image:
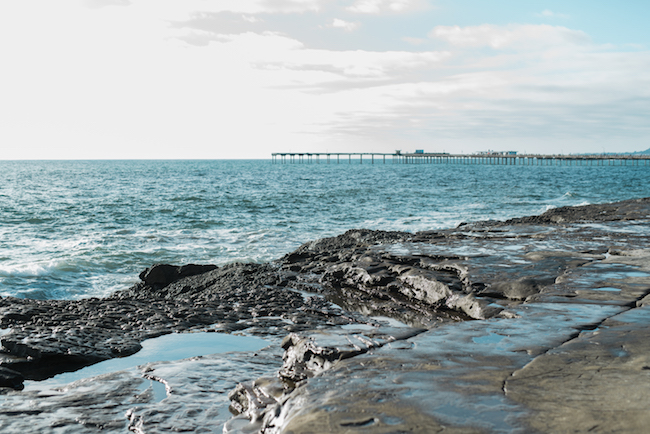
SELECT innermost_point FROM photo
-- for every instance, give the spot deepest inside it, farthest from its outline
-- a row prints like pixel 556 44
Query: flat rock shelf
pixel 536 324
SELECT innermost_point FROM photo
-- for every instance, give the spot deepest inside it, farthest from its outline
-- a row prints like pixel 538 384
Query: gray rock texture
pixel 537 324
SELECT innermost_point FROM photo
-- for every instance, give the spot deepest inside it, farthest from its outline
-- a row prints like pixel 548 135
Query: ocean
pixel 76 229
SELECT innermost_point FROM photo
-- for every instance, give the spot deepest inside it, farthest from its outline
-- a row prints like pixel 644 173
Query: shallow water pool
pixel 174 346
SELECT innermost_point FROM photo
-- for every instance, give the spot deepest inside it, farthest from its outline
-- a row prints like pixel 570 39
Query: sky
pixel 219 79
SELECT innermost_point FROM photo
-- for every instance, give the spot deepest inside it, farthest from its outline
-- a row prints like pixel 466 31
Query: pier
pixel 494 158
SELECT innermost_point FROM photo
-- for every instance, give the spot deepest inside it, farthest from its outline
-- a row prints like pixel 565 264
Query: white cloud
pixel 566 95
pixel 180 10
pixel 580 94
pixel 74 87
pixel 414 41
pixel 291 6
pixel 345 25
pixel 324 71
pixel 511 36
pixel 96 4
pixel 386 6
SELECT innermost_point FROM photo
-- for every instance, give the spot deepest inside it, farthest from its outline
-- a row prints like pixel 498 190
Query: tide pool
pixel 170 347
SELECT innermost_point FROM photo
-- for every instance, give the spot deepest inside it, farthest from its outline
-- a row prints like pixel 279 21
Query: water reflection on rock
pixel 536 324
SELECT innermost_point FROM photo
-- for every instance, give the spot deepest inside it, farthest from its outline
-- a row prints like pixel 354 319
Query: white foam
pixel 28 270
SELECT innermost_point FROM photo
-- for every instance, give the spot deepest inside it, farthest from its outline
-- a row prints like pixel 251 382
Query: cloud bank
pixel 240 79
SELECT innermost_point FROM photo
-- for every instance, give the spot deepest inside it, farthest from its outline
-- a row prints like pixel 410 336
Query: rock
pixel 601 376
pixel 555 363
pixel 306 356
pixel 10 378
pixel 53 336
pixel 250 399
pixel 616 211
pixel 161 275
pixel 491 315
pixel 519 289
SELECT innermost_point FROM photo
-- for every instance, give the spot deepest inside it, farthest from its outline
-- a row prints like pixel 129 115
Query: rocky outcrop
pixel 161 275
pixel 354 271
pixel 51 336
pixel 566 346
pixel 487 327
pixel 10 378
pixel 633 209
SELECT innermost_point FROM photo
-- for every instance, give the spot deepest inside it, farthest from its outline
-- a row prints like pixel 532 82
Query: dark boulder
pixel 12 379
pixel 161 275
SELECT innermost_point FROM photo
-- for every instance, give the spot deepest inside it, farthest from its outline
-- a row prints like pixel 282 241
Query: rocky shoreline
pixel 535 324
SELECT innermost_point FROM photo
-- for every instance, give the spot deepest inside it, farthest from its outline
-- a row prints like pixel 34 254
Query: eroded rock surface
pixel 52 336
pixel 530 325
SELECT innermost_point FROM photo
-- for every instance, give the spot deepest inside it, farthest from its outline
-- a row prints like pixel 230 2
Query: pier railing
pixel 442 158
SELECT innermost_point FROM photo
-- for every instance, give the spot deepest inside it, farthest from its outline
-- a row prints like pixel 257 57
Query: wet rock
pixel 484 376
pixel 618 211
pixel 488 309
pixel 198 389
pixel 189 395
pixel 10 378
pixel 251 399
pixel 451 376
pixel 81 407
pixel 161 275
pixel 424 288
pixel 52 336
pixel 214 283
pixel 519 289
pixel 602 379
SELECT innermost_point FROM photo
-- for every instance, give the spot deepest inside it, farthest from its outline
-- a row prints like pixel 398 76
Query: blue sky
pixel 245 78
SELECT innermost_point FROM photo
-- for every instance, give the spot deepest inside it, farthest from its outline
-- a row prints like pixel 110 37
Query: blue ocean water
pixel 74 229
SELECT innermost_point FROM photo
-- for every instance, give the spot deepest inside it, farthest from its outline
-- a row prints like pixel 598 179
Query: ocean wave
pixel 38 293
pixel 60 266
pixel 28 270
pixel 39 220
pixel 98 240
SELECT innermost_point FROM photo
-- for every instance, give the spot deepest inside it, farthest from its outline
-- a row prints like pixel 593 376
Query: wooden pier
pixel 443 158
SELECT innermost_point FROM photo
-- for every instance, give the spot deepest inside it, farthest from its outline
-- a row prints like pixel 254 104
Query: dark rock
pixel 10 378
pixel 507 320
pixel 305 357
pixel 574 362
pixel 617 211
pixel 161 275
pixel 428 280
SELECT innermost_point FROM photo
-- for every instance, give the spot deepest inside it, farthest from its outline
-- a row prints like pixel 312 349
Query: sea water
pixel 75 229
pixel 169 347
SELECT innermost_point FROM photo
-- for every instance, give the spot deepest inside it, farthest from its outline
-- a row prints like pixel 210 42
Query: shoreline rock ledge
pixel 535 324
